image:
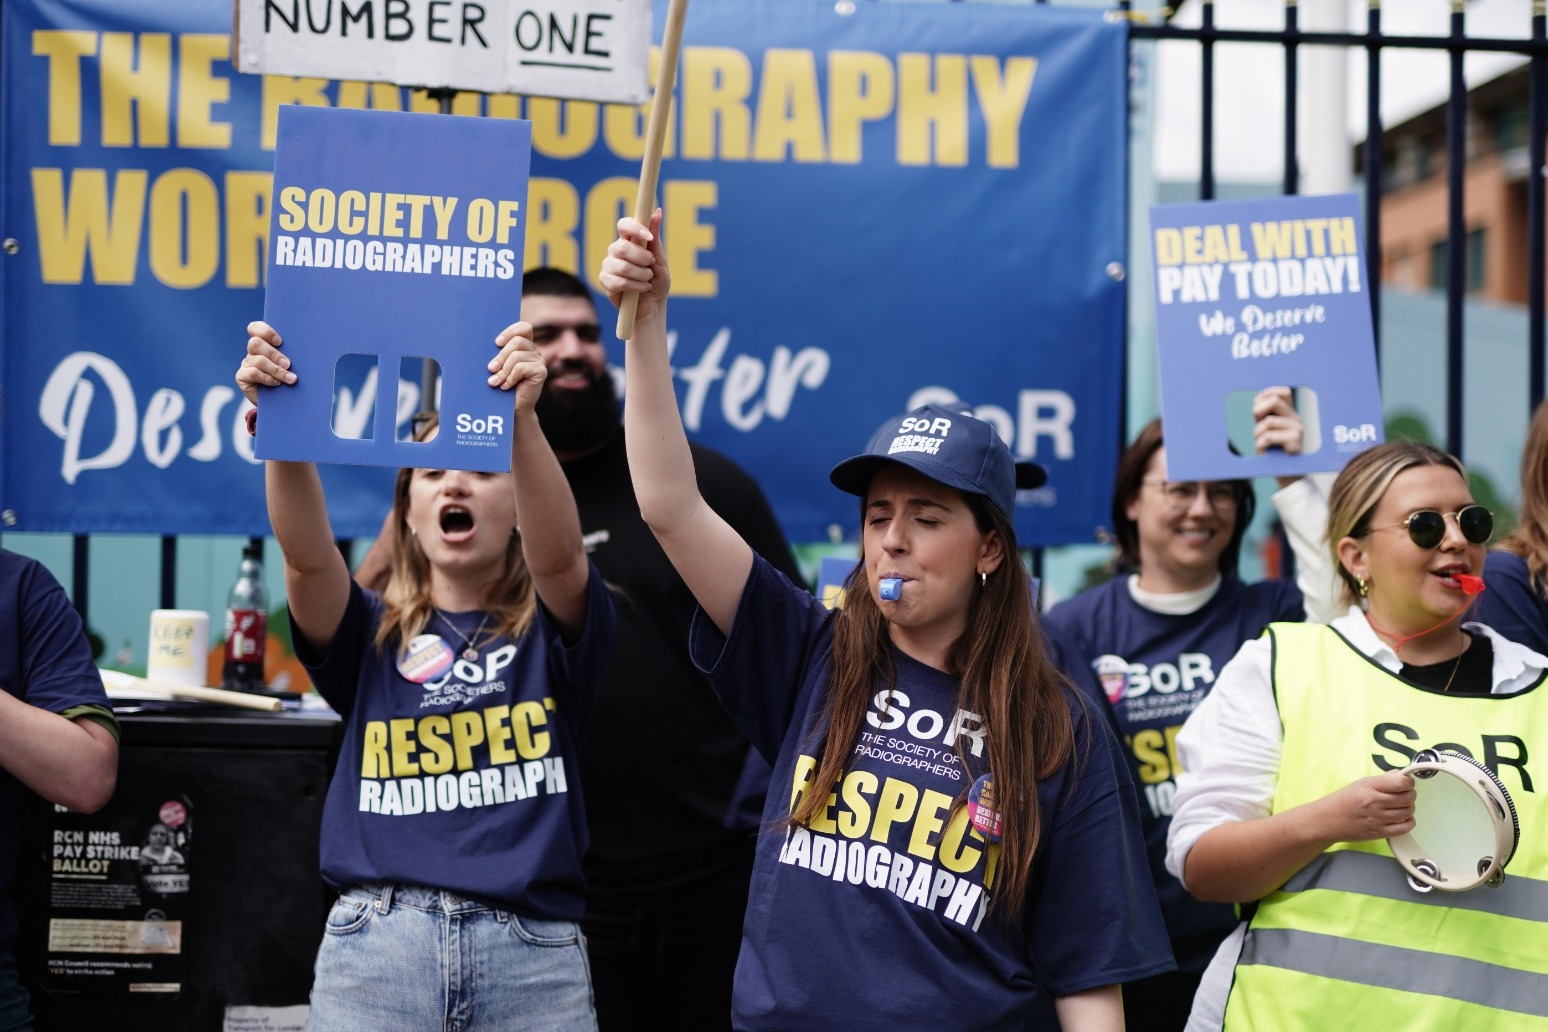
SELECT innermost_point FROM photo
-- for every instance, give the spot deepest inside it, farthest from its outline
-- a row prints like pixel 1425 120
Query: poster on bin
pixel 1255 294
pixel 394 238
pixel 119 888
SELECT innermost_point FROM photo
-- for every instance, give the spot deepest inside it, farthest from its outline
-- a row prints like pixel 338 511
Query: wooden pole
pixel 655 138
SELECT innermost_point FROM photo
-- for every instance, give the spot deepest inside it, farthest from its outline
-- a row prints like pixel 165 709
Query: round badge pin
pixel 982 813
pixel 427 658
pixel 1113 672
pixel 172 813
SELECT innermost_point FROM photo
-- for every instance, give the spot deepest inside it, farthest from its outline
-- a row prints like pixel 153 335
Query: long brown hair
pixel 1006 678
pixel 510 604
pixel 1530 538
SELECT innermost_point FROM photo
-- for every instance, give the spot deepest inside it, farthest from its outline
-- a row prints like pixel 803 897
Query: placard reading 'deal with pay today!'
pixel 1254 294
pixel 393 238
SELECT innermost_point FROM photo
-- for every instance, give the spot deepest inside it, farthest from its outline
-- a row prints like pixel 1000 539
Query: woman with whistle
pixel 1293 779
pixel 1160 632
pixel 948 826
pixel 453 827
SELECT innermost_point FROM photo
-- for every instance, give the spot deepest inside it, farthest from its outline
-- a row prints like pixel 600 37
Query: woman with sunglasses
pixel 946 826
pixel 1516 603
pixel 1161 631
pixel 1292 780
pixel 453 828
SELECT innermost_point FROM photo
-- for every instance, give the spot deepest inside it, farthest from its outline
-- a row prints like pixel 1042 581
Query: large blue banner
pixel 864 212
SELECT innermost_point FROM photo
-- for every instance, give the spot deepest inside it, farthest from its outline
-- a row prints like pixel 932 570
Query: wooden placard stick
pixel 120 685
pixel 655 138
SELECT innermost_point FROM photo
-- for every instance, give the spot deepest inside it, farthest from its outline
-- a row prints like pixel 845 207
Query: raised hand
pixel 518 365
pixel 1276 424
pixel 636 264
pixel 264 366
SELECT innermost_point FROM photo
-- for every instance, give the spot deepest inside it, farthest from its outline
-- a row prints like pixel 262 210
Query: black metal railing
pixel 1457 44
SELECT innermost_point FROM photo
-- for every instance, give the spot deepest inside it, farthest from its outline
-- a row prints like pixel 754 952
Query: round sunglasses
pixel 1427 527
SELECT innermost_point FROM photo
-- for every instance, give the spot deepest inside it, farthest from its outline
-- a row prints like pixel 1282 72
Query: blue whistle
pixel 891 589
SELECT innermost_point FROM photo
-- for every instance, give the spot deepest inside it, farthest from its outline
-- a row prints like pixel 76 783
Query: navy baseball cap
pixel 951 448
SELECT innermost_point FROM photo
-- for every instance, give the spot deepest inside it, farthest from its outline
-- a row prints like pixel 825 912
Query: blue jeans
pixel 423 960
pixel 14 1013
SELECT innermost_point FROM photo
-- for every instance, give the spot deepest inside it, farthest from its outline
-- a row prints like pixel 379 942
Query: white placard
pixel 576 49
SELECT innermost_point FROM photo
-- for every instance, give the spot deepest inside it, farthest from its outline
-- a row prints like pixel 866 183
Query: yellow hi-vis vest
pixel 1347 943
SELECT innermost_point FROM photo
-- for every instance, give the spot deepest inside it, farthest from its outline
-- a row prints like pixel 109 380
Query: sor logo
pixel 920 425
pixel 1124 680
pixel 1365 433
pixel 473 424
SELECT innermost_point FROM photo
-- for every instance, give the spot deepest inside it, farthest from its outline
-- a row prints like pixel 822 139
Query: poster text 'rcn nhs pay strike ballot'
pixel 1254 294
pixel 394 237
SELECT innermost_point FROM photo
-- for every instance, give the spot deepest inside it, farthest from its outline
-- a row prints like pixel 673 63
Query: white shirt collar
pixel 1515 666
pixel 1177 603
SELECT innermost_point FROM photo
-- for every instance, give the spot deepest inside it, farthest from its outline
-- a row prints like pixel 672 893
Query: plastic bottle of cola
pixel 247 618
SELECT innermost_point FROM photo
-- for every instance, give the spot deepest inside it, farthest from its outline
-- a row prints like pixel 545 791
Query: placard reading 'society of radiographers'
pixel 1254 294
pixel 394 238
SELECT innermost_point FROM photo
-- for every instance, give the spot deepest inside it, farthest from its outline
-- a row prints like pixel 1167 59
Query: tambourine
pixel 1465 825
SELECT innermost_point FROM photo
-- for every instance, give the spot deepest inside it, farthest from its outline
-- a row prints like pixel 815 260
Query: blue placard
pixel 865 211
pixel 1254 294
pixel 393 237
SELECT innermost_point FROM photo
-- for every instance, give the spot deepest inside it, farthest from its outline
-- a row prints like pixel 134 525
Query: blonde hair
pixel 511 603
pixel 1530 538
pixel 1360 488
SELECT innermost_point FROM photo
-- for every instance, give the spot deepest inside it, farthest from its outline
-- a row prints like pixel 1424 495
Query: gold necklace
pixel 1456 666
pixel 470 646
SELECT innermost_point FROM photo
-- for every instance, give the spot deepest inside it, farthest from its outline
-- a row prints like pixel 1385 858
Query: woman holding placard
pixel 1160 632
pixel 454 825
pixel 1293 777
pixel 947 824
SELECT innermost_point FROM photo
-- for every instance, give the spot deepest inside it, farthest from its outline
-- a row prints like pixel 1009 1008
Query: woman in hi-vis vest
pixel 1159 633
pixel 1293 782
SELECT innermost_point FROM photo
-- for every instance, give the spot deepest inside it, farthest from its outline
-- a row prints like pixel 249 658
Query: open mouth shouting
pixel 456 524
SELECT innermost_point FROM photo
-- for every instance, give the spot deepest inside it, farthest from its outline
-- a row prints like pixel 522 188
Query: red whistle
pixel 1469 584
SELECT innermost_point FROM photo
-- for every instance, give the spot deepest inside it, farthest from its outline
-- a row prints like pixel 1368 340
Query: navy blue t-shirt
pixel 1512 604
pixel 45 661
pixel 1155 669
pixel 876 915
pixel 466 782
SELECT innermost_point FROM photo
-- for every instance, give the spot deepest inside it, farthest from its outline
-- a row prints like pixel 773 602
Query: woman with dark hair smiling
pixel 1159 633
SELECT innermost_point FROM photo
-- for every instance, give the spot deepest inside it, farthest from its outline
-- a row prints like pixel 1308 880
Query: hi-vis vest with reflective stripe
pixel 1347 943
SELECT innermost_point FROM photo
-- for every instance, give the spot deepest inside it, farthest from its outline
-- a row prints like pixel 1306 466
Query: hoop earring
pixel 983 579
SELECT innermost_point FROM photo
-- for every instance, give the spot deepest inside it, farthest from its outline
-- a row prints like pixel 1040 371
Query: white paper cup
pixel 179 646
